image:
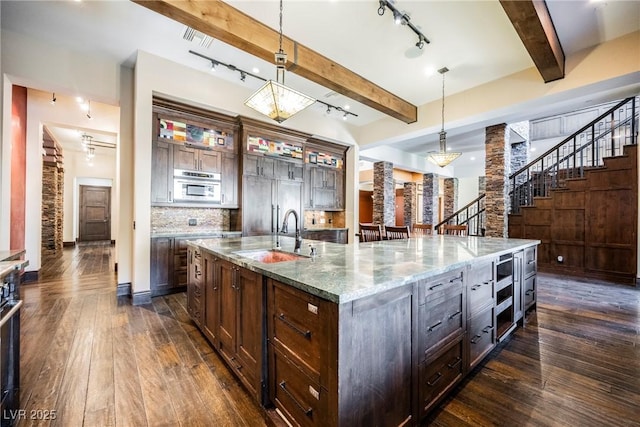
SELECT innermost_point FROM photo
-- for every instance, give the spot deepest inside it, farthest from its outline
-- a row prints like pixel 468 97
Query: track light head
pixel 243 76
pixel 420 44
pixel 397 17
pixel 381 9
pixel 53 99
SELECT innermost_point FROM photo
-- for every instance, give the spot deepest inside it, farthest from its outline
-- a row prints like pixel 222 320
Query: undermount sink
pixel 270 256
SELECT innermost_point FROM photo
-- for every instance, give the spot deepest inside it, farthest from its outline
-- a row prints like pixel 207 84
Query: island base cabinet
pixel 301 399
pixel 481 336
pixel 440 374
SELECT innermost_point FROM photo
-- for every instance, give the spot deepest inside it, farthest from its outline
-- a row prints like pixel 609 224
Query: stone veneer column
pixel 520 150
pixel 52 198
pixel 497 180
pixel 430 193
pixel 482 185
pixel 410 203
pixel 450 199
pixel 384 194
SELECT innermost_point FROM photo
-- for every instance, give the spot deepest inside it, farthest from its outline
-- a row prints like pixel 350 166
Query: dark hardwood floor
pixel 96 360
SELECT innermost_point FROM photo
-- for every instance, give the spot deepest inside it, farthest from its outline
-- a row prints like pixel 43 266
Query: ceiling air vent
pixel 196 36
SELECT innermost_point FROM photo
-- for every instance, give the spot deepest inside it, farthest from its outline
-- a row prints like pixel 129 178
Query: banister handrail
pixel 469 216
pixel 573 135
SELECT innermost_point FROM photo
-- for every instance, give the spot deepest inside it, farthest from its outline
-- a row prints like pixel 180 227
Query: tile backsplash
pixel 177 219
pixel 324 219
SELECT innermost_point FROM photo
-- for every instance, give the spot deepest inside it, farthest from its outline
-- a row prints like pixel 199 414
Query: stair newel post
pixel 613 139
pixel 634 137
pixel 593 145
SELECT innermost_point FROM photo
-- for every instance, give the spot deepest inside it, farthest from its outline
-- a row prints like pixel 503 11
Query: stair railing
pixel 603 137
pixel 471 215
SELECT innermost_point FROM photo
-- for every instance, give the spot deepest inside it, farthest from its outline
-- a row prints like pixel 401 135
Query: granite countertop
pixel 11 254
pixel 7 267
pixel 324 228
pixel 342 273
pixel 200 232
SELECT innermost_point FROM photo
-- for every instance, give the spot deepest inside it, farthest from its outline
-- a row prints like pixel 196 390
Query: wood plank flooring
pixel 96 360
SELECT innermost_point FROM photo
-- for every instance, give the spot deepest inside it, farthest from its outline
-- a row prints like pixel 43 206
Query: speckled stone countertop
pixel 11 254
pixel 187 233
pixel 343 273
pixel 7 267
pixel 323 228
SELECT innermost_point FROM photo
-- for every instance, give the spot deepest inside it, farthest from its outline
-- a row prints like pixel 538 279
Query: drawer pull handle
pixel 306 334
pixel 476 287
pixel 307 411
pixel 529 292
pixel 432 327
pixel 432 383
pixel 455 363
pixel 455 314
pixel 531 262
pixel 476 339
pixel 487 329
pixel 435 286
pixel 455 279
pixel 487 282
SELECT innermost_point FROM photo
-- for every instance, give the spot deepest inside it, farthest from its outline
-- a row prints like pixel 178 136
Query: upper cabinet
pixel 194 140
pixel 324 182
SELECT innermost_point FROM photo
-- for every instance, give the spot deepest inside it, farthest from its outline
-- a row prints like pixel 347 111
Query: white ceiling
pixel 474 39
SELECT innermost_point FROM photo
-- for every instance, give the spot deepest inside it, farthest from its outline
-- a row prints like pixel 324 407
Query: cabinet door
pixel 267 167
pixel 290 197
pixel 209 161
pixel 297 171
pixel 250 165
pixel 161 172
pixel 308 188
pixel 339 204
pixel 185 157
pixel 258 213
pixel 282 170
pixel 518 277
pixel 330 178
pixel 161 265
pixel 179 262
pixel 229 181
pixel 250 327
pixel 224 277
pixel 211 300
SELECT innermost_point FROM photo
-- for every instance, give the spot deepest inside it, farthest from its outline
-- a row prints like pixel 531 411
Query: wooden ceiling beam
pixel 533 24
pixel 229 25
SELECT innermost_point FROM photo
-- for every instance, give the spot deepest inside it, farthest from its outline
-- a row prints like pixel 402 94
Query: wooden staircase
pixel 588 227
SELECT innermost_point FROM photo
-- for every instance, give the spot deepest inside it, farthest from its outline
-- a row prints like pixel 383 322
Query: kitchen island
pixel 363 334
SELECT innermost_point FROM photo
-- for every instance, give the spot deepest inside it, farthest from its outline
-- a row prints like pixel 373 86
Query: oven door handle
pixel 9 315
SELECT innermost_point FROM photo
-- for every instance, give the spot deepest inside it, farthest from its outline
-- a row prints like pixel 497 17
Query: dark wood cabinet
pixel 161 172
pixel 337 235
pixel 195 295
pixel 293 170
pixel 190 158
pixel 438 375
pixel 229 192
pixel 259 166
pixel 266 200
pixel 481 335
pixel 161 264
pixel 325 188
pixel 211 300
pixel 241 329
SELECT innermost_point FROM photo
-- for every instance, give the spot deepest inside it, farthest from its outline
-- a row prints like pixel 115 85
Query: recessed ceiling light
pixel 346 106
pixel 79 99
pixel 84 107
pixel 473 158
pixel 430 71
pixel 533 148
pixel 255 70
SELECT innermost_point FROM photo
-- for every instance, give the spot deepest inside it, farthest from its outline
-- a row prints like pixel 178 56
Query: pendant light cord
pixel 280 26
pixel 442 102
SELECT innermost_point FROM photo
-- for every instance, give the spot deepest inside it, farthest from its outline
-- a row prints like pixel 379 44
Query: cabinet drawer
pixel 298 323
pixel 302 400
pixel 439 375
pixel 434 287
pixel 480 295
pixel 530 261
pixel 441 319
pixel 481 336
pixel 529 292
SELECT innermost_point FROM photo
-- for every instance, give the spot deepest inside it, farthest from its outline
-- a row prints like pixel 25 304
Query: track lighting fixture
pixel 404 19
pixel 89 110
pixel 213 65
pixel 244 74
pixel 53 99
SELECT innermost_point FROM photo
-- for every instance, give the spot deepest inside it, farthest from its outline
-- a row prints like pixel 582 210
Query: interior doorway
pixel 95 213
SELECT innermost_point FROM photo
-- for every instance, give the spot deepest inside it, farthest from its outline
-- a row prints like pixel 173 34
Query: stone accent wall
pixel 52 198
pixel 164 218
pixel 520 150
pixel 497 180
pixel 450 199
pixel 410 203
pixel 384 195
pixel 430 194
pixel 482 185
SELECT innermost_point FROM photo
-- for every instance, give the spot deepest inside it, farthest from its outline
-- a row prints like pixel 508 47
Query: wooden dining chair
pixel 422 229
pixel 455 230
pixel 370 232
pixel 394 233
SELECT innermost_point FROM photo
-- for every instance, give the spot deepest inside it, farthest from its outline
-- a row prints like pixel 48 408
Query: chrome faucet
pixel 285 228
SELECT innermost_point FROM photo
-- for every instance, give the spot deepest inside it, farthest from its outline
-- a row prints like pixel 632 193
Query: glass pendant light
pixel 274 99
pixel 442 158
